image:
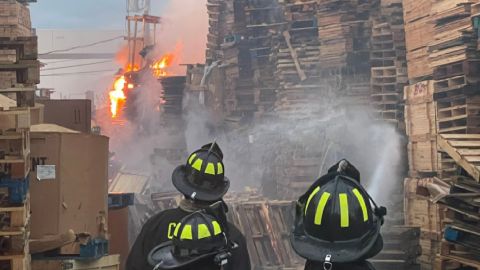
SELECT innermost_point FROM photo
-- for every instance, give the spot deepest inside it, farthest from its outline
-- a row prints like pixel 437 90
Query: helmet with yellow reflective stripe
pixel 335 217
pixel 203 176
pixel 197 236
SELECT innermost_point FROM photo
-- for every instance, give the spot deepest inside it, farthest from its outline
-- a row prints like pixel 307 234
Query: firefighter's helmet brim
pixel 162 257
pixel 181 184
pixel 341 251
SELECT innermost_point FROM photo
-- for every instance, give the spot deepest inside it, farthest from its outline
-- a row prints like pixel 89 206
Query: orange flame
pixel 117 95
pixel 159 67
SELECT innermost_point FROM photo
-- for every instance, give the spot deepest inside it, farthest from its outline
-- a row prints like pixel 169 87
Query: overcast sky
pixel 84 14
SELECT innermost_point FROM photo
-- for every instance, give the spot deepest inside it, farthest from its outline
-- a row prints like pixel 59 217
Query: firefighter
pixel 335 225
pixel 202 181
pixel 199 242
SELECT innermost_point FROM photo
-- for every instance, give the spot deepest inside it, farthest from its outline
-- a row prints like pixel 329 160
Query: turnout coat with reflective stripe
pixel 161 228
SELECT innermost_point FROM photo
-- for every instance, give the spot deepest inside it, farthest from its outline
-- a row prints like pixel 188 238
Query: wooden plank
pixel 462 136
pixel 469 152
pixel 465 143
pixel 294 55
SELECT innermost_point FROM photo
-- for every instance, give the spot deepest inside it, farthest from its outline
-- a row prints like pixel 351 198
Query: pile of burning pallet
pixel 19 74
pixel 441 113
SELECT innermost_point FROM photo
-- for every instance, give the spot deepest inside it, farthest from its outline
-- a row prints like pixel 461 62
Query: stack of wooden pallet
pixel 456 67
pixel 19 74
pixel 345 29
pixel 14 170
pixel 389 65
pixel 421 128
pixel 264 20
pixel 460 247
pixel 344 32
pixel 418 33
pixel 236 63
pixel 421 211
pixel 215 9
pixel 15 19
pixel 297 58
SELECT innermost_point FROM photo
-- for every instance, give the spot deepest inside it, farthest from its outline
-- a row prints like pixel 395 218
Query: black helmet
pixel 203 176
pixel 335 222
pixel 196 237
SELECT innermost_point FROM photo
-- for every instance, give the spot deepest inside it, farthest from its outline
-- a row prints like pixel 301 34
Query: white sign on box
pixel 45 172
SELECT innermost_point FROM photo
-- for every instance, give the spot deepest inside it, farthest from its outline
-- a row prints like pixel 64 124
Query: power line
pixel 79 65
pixel 76 73
pixel 82 46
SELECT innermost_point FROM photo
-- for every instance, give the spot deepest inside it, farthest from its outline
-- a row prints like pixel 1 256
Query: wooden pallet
pixel 14 219
pixel 25 48
pixel 11 116
pixel 451 257
pixel 464 149
pixel 29 70
pixel 280 214
pixel 458 115
pixel 453 83
pixel 469 68
pixel 254 222
pixel 421 120
pixel 422 156
pixel 420 210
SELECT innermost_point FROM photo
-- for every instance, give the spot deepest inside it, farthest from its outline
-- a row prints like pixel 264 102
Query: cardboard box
pixel 74 114
pixel 118 232
pixel 73 191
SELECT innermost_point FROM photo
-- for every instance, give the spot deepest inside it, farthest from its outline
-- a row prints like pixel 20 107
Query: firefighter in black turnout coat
pixel 202 181
pixel 335 225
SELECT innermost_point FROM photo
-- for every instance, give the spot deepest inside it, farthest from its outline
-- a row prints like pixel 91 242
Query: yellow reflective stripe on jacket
pixel 361 201
pixel 198 164
pixel 344 220
pixel 203 231
pixel 321 208
pixel 210 169
pixel 315 191
pixel 216 228
pixel 187 232
pixel 190 160
pixel 219 168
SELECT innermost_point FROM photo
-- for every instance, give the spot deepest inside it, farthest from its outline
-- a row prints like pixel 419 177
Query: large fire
pixel 118 95
pixel 159 67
